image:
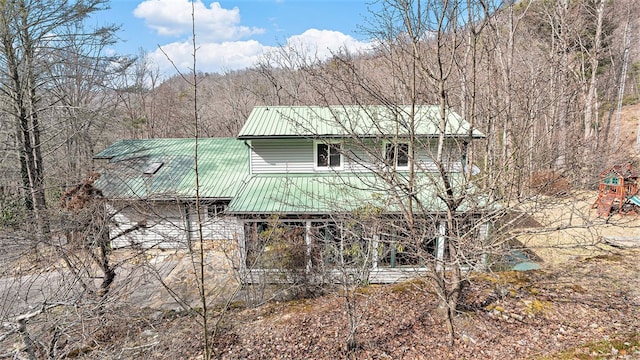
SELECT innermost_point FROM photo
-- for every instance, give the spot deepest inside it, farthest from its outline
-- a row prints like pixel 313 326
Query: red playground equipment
pixel 617 190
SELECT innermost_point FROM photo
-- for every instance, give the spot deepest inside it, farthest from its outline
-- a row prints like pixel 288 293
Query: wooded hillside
pixel 545 81
pixel 554 86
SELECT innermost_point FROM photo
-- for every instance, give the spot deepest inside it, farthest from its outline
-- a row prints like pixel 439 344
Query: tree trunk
pixel 21 88
pixel 594 61
pixel 623 79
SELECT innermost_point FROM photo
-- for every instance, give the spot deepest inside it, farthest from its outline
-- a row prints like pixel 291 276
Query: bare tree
pixel 426 36
pixel 29 31
pixel 82 102
pixel 417 42
pixel 136 99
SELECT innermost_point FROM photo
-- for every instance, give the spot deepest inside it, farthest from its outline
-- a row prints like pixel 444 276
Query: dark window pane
pixel 390 153
pixel 275 246
pixel 322 155
pixel 325 242
pixel 216 209
pixel 403 155
pixel 334 155
pixel 398 247
pixel 397 155
pixel 328 155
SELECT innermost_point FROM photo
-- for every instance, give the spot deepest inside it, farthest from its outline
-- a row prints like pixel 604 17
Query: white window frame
pixel 396 143
pixel 329 143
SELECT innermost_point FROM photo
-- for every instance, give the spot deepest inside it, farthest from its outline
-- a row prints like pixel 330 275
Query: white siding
pixel 358 159
pixel 376 276
pixel 278 156
pixel 281 156
pixel 219 228
pixel 425 153
pixel 165 226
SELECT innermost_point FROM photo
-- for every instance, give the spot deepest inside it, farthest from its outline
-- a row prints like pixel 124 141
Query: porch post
pixel 484 237
pixel 374 253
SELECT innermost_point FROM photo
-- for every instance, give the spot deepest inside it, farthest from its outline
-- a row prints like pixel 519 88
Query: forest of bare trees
pixel 545 81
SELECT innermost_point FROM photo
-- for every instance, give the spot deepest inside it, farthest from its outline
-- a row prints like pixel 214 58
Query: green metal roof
pixel 164 168
pixel 334 193
pixel 345 121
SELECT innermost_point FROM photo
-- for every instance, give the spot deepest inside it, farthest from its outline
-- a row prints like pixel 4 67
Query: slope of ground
pixel 628 128
pixel 521 315
pixel 569 228
pixel 587 309
pixel 583 304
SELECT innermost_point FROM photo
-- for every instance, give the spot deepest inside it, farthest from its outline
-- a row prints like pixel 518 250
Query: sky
pixel 232 35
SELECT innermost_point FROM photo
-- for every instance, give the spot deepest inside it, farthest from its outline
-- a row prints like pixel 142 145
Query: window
pixel 275 245
pixel 397 155
pixel 397 250
pixel 612 179
pixel 152 168
pixel 328 155
pixel 465 239
pixel 325 245
pixel 216 209
pixel 337 245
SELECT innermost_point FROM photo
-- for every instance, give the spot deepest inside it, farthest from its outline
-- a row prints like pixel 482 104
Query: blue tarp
pixel 635 199
pixel 519 261
pixel 526 266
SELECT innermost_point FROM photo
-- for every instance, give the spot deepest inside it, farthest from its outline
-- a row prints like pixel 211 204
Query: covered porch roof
pixel 317 194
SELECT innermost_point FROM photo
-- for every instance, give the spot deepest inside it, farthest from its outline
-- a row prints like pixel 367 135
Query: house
pixel 303 187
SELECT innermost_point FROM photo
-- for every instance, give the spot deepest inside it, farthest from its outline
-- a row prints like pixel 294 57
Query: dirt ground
pixel 570 229
pixel 587 308
pixel 583 304
pixel 629 121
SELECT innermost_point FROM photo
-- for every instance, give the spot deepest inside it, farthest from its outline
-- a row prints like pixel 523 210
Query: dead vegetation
pixel 587 308
pixel 584 304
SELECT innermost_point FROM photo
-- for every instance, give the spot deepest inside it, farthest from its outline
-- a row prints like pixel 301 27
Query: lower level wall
pixel 173 226
pixel 167 226
pixel 300 252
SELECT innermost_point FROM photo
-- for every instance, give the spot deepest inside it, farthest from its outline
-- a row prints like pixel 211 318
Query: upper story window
pixel 397 154
pixel 328 155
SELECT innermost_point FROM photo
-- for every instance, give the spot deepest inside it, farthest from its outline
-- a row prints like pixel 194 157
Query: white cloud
pixel 323 43
pixel 235 55
pixel 223 43
pixel 211 57
pixel 213 23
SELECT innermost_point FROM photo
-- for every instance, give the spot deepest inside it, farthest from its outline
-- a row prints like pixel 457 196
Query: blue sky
pixel 232 35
